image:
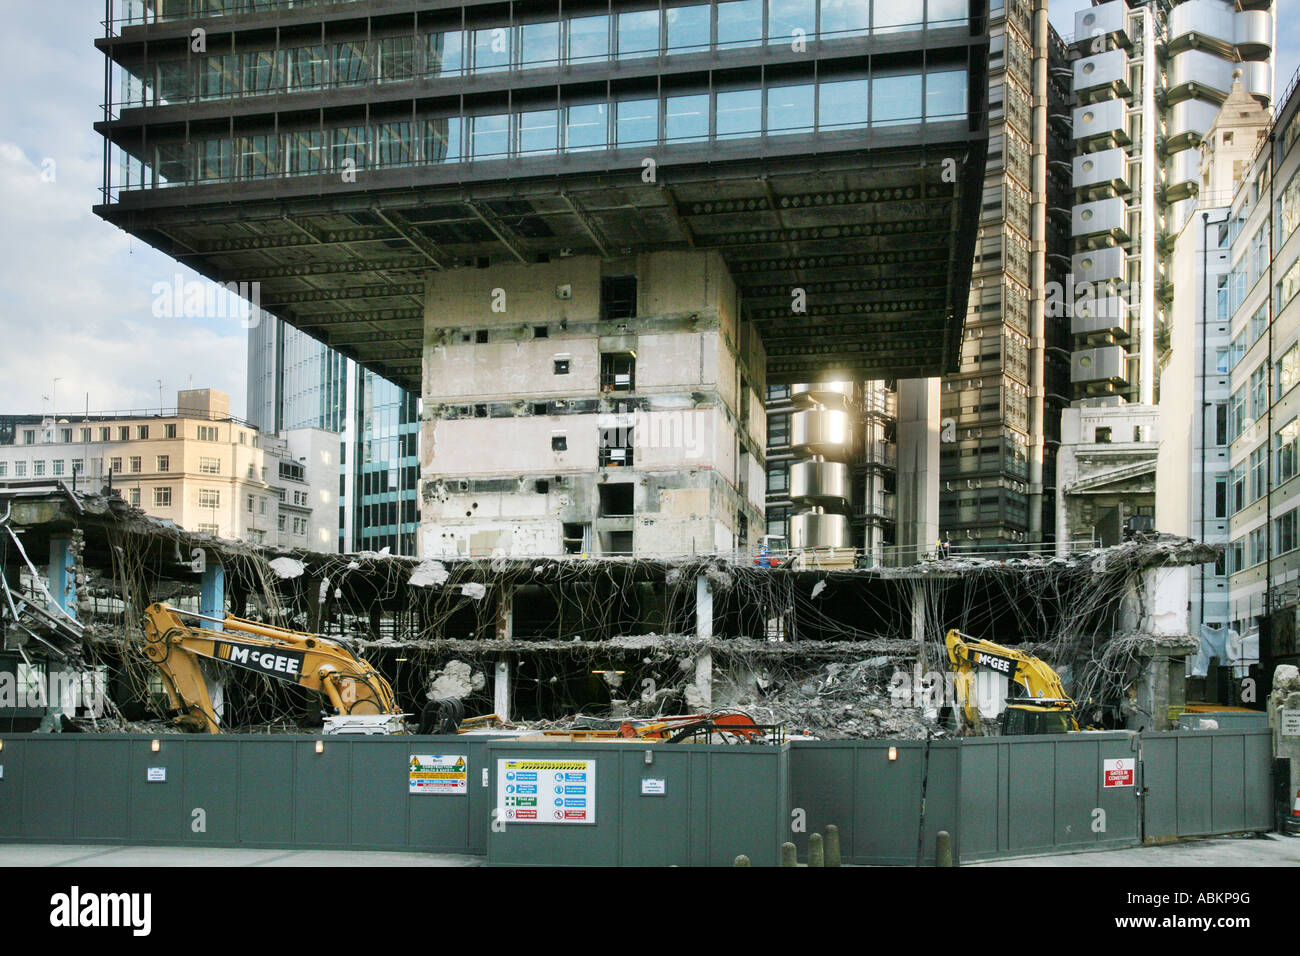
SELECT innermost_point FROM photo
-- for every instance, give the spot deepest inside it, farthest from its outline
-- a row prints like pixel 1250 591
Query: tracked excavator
pixel 362 700
pixel 1040 707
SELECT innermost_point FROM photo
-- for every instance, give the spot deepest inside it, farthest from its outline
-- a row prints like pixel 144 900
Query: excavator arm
pixel 350 684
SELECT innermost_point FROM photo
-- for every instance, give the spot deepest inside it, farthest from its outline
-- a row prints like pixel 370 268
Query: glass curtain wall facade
pixel 385 472
pixel 295 381
pixel 990 430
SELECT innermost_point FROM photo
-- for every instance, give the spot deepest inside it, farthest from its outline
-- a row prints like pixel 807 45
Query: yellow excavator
pixel 1041 708
pixel 362 699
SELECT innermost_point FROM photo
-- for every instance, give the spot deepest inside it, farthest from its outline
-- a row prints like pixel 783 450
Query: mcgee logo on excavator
pixel 1002 665
pixel 263 661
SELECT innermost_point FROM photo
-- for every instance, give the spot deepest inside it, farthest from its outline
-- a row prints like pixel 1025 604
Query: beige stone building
pixel 194 465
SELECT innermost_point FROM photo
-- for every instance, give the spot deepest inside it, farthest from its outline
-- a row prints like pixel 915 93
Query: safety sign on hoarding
pixel 439 773
pixel 1118 772
pixel 546 791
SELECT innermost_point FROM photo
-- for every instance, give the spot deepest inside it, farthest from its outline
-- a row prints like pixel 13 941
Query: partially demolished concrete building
pixel 827 652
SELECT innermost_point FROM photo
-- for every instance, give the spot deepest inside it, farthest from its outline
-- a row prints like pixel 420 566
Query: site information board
pixel 439 773
pixel 546 791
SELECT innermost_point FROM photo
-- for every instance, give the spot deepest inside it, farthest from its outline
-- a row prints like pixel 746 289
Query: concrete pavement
pixel 46 854
pixel 1269 849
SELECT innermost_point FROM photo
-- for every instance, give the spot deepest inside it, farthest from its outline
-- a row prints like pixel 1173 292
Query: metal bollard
pixel 741 860
pixel 943 848
pixel 833 846
pixel 789 855
pixel 816 852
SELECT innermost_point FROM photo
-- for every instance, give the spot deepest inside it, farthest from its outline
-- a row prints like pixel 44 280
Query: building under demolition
pixel 539 642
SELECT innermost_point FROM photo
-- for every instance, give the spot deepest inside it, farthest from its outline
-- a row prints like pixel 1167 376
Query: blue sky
pixel 75 292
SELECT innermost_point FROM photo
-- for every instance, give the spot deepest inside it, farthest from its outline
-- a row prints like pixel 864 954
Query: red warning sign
pixel 1118 772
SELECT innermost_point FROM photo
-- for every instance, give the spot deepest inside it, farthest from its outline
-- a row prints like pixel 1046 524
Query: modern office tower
pixel 297 381
pixel 1001 410
pixel 1149 80
pixel 730 193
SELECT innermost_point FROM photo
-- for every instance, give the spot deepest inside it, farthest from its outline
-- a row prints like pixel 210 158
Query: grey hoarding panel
pixel 322 793
pixel 11 788
pixel 1193 780
pixel 211 783
pixel 1257 780
pixel 446 823
pixel 888 810
pixel 1228 799
pixel 266 773
pixel 156 808
pixel 378 797
pixel 103 803
pixel 942 810
pixel 1160 786
pixel 49 789
pixel 822 783
pixel 651 824
pixel 1031 794
pixel 982 798
pixel 746 803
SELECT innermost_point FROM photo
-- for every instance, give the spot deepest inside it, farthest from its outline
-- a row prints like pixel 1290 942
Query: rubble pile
pixel 840 701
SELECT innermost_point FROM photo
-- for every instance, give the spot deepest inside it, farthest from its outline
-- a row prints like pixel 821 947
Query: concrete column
pixel 505 623
pixel 212 602
pixel 501 689
pixel 212 593
pixel 919 622
pixel 62 582
pixel 699 692
pixel 703 608
pixel 918 466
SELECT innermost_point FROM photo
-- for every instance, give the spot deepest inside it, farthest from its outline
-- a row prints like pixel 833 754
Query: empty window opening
pixel 616 500
pixel 617 371
pixel 618 297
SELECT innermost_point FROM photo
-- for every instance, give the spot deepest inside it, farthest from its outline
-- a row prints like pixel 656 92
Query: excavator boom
pixel 350 684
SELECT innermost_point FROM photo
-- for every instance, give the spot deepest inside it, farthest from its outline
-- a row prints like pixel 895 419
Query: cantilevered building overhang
pixel 336 153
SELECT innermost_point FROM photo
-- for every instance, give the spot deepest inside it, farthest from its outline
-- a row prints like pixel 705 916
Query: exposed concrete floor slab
pixel 1269 850
pixel 45 854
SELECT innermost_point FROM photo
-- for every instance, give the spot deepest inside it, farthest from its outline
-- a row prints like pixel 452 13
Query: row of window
pixel 548 44
pixel 825 106
pixel 1248 481
pixel 1253 549
pixel 1251 401
pixel 134 466
pixel 105 433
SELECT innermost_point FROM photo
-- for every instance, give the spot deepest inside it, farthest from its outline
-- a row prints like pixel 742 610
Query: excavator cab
pixel 1021 719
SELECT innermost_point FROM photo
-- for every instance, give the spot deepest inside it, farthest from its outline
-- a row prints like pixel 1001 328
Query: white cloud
pixel 76 292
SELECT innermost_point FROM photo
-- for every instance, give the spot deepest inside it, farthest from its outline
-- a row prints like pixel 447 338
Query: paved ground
pixel 1268 850
pixel 45 854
